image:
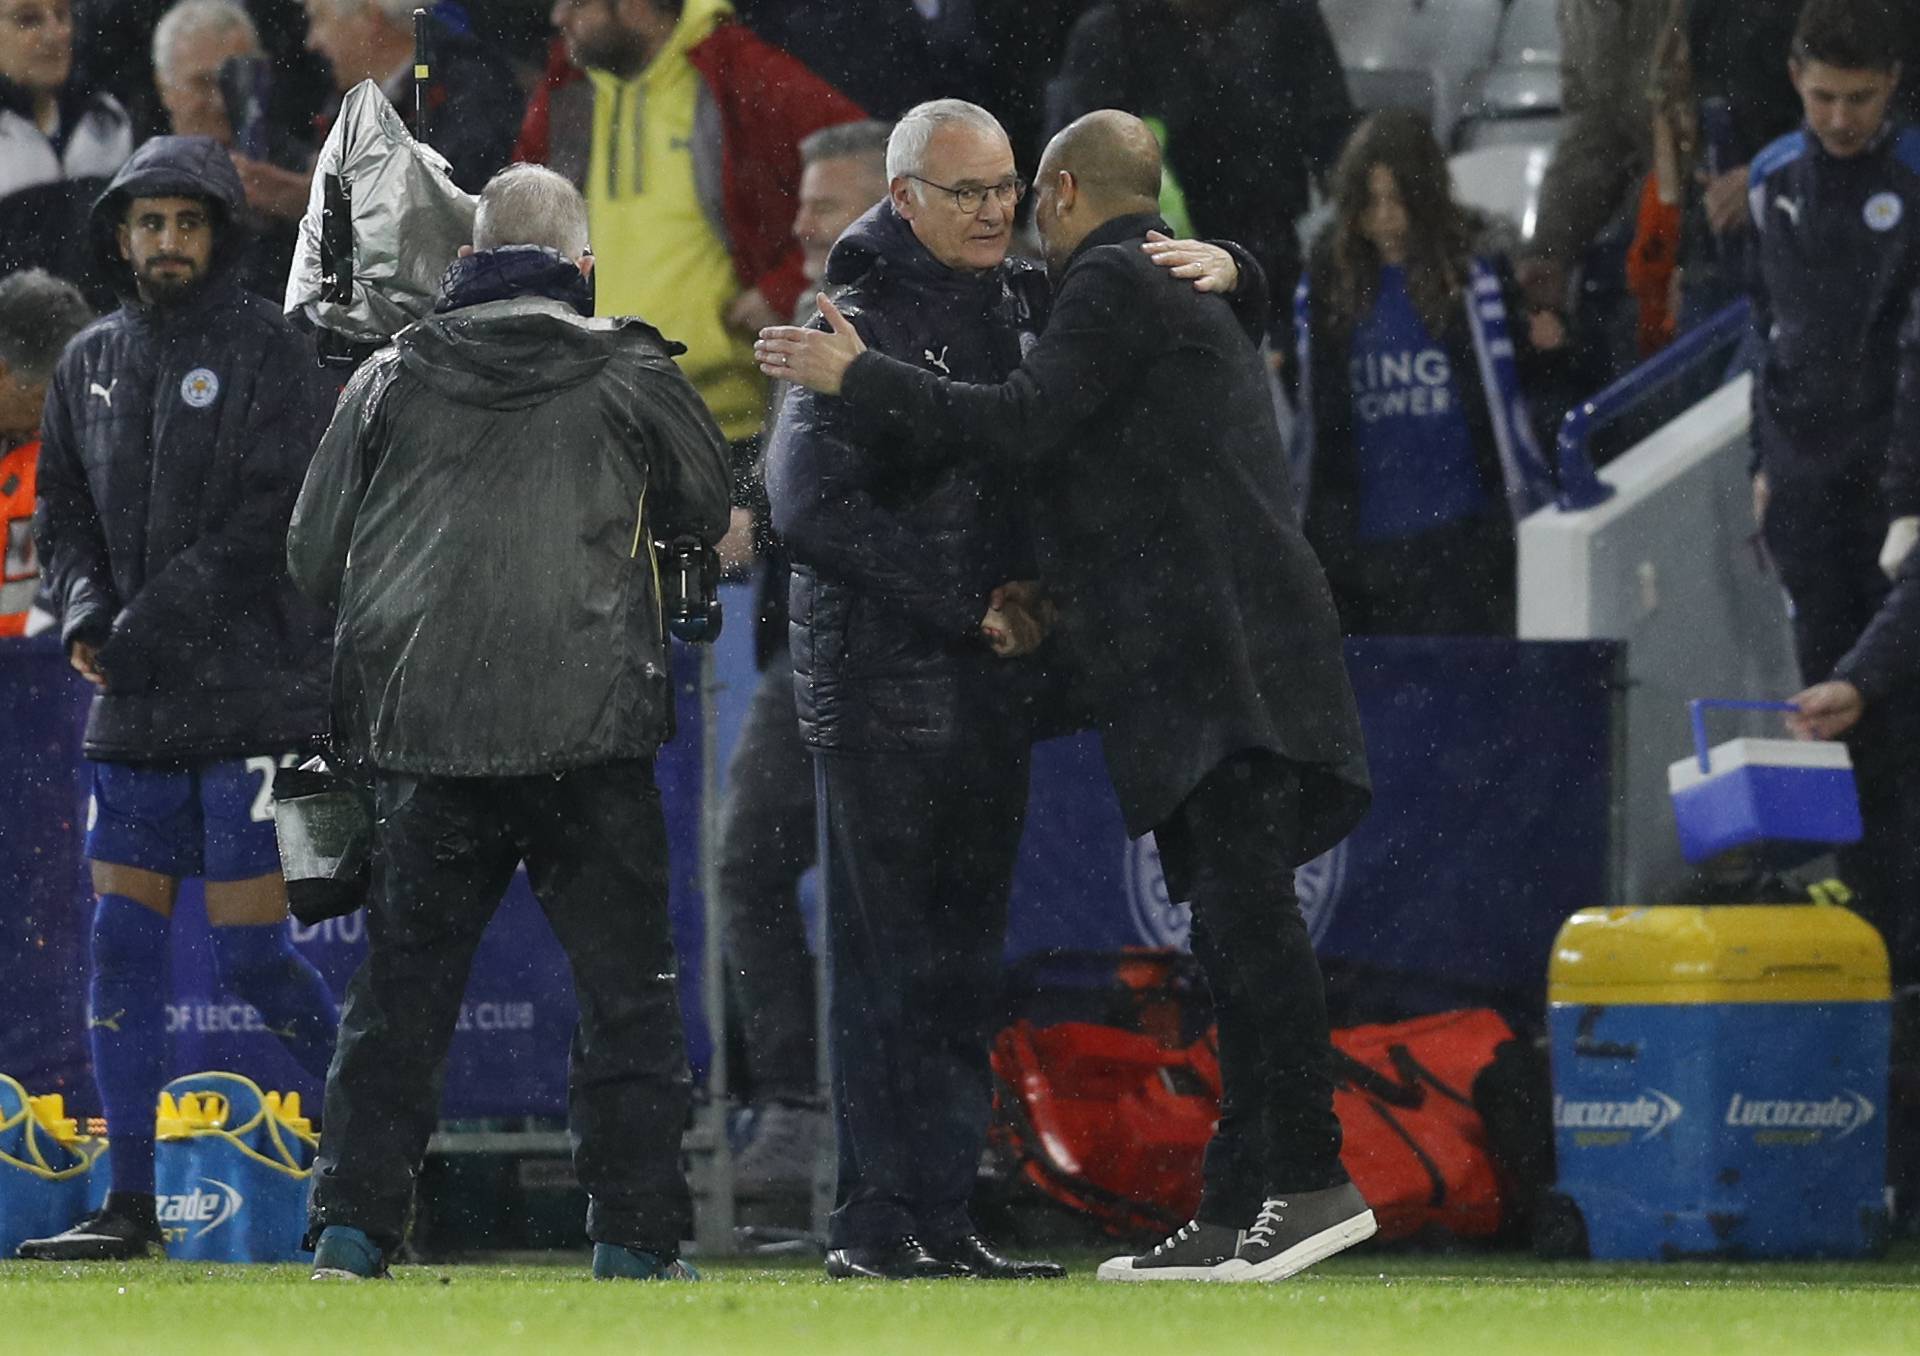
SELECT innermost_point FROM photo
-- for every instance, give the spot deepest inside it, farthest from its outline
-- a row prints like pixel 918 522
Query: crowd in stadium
pixel 1360 372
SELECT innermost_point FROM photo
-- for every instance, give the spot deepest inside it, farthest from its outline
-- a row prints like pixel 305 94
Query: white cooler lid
pixel 1739 753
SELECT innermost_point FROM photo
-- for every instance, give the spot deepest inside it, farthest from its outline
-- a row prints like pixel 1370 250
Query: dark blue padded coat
pixel 175 441
pixel 894 561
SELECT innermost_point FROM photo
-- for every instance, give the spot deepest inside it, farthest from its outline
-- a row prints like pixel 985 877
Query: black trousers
pixel 919 854
pixel 444 851
pixel 1824 536
pixel 768 839
pixel 1229 850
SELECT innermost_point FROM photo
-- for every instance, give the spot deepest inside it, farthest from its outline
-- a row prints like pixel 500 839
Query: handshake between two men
pixel 1019 617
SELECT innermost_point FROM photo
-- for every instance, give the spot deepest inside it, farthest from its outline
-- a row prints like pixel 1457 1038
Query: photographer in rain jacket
pixel 482 511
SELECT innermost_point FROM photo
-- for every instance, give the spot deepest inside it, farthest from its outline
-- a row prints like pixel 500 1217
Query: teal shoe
pixel 611 1262
pixel 346 1254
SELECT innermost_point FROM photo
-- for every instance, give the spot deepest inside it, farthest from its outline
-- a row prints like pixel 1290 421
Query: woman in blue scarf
pixel 1415 446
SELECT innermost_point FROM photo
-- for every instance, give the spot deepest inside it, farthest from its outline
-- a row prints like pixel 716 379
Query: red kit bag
pixel 1113 1123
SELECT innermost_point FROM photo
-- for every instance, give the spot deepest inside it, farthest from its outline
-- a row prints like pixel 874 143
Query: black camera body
pixel 690 589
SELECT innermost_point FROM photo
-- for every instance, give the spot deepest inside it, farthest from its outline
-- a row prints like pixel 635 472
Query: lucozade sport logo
pixel 1649 1113
pixel 1162 921
pixel 1808 1120
pixel 208 1209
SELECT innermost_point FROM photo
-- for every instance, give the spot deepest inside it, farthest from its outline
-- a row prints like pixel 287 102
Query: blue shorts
pixel 211 819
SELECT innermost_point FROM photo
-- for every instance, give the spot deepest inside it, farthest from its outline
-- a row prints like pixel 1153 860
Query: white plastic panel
pixel 1667 565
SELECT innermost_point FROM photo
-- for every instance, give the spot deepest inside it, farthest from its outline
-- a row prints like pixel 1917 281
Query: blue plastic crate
pixel 231 1183
pixel 43 1181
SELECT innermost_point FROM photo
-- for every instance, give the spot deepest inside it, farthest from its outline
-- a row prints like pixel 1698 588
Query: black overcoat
pixel 1198 616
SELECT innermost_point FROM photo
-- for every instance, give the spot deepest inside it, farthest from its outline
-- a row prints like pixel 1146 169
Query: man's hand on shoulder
pixel 810 358
pixel 1725 196
pixel 1211 268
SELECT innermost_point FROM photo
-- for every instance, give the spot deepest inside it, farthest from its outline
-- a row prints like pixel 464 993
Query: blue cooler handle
pixel 1698 709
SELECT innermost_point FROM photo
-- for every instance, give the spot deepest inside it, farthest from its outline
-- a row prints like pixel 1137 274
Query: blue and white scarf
pixel 1523 467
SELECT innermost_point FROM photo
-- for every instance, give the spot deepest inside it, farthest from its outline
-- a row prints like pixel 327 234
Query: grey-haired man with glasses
pixel 914 613
pixel 912 689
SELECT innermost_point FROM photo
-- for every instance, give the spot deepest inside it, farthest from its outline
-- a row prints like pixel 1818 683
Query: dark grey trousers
pixel 919 856
pixel 768 840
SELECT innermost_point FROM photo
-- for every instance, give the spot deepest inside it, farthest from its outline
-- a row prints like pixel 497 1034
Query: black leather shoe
pixel 901 1259
pixel 974 1258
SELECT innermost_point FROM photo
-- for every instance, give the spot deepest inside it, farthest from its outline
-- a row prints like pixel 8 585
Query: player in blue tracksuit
pixel 1836 212
pixel 177 431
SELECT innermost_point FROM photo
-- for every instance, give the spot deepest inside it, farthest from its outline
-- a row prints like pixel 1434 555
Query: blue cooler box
pixel 1720 1081
pixel 1749 791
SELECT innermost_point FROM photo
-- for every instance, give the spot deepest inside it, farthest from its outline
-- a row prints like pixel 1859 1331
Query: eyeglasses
pixel 970 198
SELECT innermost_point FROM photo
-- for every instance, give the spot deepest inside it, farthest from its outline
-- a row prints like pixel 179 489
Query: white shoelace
pixel 1181 1235
pixel 1271 1217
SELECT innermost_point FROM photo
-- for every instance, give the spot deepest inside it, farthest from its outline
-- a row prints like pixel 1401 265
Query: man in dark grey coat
pixel 482 513
pixel 1209 653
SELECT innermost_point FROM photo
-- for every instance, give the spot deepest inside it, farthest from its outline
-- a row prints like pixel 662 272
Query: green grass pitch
pixel 1377 1304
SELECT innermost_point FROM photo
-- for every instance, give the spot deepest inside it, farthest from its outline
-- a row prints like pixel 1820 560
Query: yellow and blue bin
pixel 1720 1081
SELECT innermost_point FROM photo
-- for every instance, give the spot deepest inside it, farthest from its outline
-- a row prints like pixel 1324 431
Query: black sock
pixel 134 1205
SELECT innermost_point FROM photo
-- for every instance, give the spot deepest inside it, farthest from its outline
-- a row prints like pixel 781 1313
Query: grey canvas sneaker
pixel 1293 1232
pixel 1193 1252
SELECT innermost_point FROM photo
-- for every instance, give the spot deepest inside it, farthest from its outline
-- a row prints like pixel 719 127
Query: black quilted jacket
pixel 893 562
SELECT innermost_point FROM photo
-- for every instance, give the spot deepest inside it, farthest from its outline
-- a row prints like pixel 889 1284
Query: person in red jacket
pixel 38 314
pixel 682 128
